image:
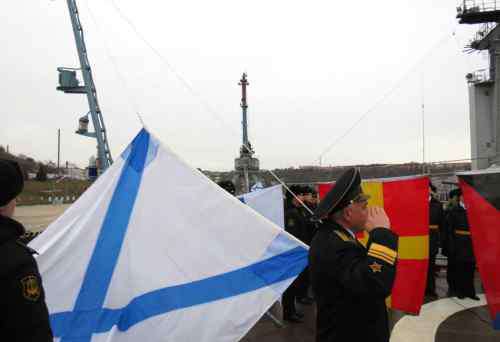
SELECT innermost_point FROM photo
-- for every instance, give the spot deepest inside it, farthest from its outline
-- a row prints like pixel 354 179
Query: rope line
pixel 386 95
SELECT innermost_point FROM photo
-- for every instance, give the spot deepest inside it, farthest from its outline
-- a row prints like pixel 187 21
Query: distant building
pixel 76 173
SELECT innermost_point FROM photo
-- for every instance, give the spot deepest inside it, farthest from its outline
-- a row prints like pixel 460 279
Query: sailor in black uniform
pixel 350 282
pixel 435 226
pixel 24 315
pixel 460 250
pixel 295 224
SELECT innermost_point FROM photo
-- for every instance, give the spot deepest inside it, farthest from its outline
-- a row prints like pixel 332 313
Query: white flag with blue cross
pixel 155 251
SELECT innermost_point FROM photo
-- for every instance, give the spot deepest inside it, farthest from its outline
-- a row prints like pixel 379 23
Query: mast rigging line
pixel 130 98
pixel 209 109
pixel 169 66
pixel 384 97
pixel 196 94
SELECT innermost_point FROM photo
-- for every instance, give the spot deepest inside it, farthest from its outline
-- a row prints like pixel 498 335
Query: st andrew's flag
pixel 155 251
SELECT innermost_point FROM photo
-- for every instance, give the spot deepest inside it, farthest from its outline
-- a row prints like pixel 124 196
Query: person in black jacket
pixel 311 202
pixel 350 282
pixel 296 225
pixel 460 250
pixel 447 241
pixel 435 224
pixel 24 316
pixel 309 197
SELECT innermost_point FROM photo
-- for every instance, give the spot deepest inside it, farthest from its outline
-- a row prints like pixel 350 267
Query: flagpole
pixel 423 124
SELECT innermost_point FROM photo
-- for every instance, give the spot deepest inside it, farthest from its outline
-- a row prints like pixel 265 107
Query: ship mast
pixel 246 163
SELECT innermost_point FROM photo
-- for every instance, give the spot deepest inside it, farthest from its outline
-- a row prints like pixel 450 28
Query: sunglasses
pixel 360 198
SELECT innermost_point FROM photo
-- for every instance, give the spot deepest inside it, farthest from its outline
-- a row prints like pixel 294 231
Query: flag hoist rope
pixel 209 109
pixel 179 77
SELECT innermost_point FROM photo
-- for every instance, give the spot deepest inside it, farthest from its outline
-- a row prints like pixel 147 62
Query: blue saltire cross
pixel 89 316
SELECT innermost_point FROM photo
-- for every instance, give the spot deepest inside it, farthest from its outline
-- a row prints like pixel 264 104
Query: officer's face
pixel 357 214
pixel 308 198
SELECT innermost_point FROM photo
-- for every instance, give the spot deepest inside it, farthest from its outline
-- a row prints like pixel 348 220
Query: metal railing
pixel 472 6
pixel 485 29
pixel 478 76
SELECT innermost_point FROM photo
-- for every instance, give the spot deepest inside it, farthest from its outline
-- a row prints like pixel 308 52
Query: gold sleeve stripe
pixel 388 257
pixel 433 226
pixel 462 232
pixel 390 262
pixel 382 257
pixel 384 250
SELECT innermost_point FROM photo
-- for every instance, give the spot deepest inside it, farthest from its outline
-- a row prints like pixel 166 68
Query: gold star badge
pixel 375 267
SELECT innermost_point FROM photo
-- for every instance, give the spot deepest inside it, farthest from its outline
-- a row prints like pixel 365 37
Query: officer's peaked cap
pixel 346 189
pixel 296 189
pixel 309 190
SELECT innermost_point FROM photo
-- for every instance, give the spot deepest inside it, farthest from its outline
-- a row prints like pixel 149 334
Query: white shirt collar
pixel 350 232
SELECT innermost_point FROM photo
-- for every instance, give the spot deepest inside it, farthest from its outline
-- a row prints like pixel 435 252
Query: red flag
pixel 323 189
pixel 481 191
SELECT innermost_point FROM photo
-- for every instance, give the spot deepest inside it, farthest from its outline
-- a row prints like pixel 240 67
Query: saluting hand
pixel 377 218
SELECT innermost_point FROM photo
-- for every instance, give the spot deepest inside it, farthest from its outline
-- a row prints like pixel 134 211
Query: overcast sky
pixel 314 67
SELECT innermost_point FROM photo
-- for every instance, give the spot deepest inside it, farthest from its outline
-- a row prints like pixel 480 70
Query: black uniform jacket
pixel 23 316
pixel 310 226
pixel 435 225
pixel 296 223
pixel 460 242
pixel 351 282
